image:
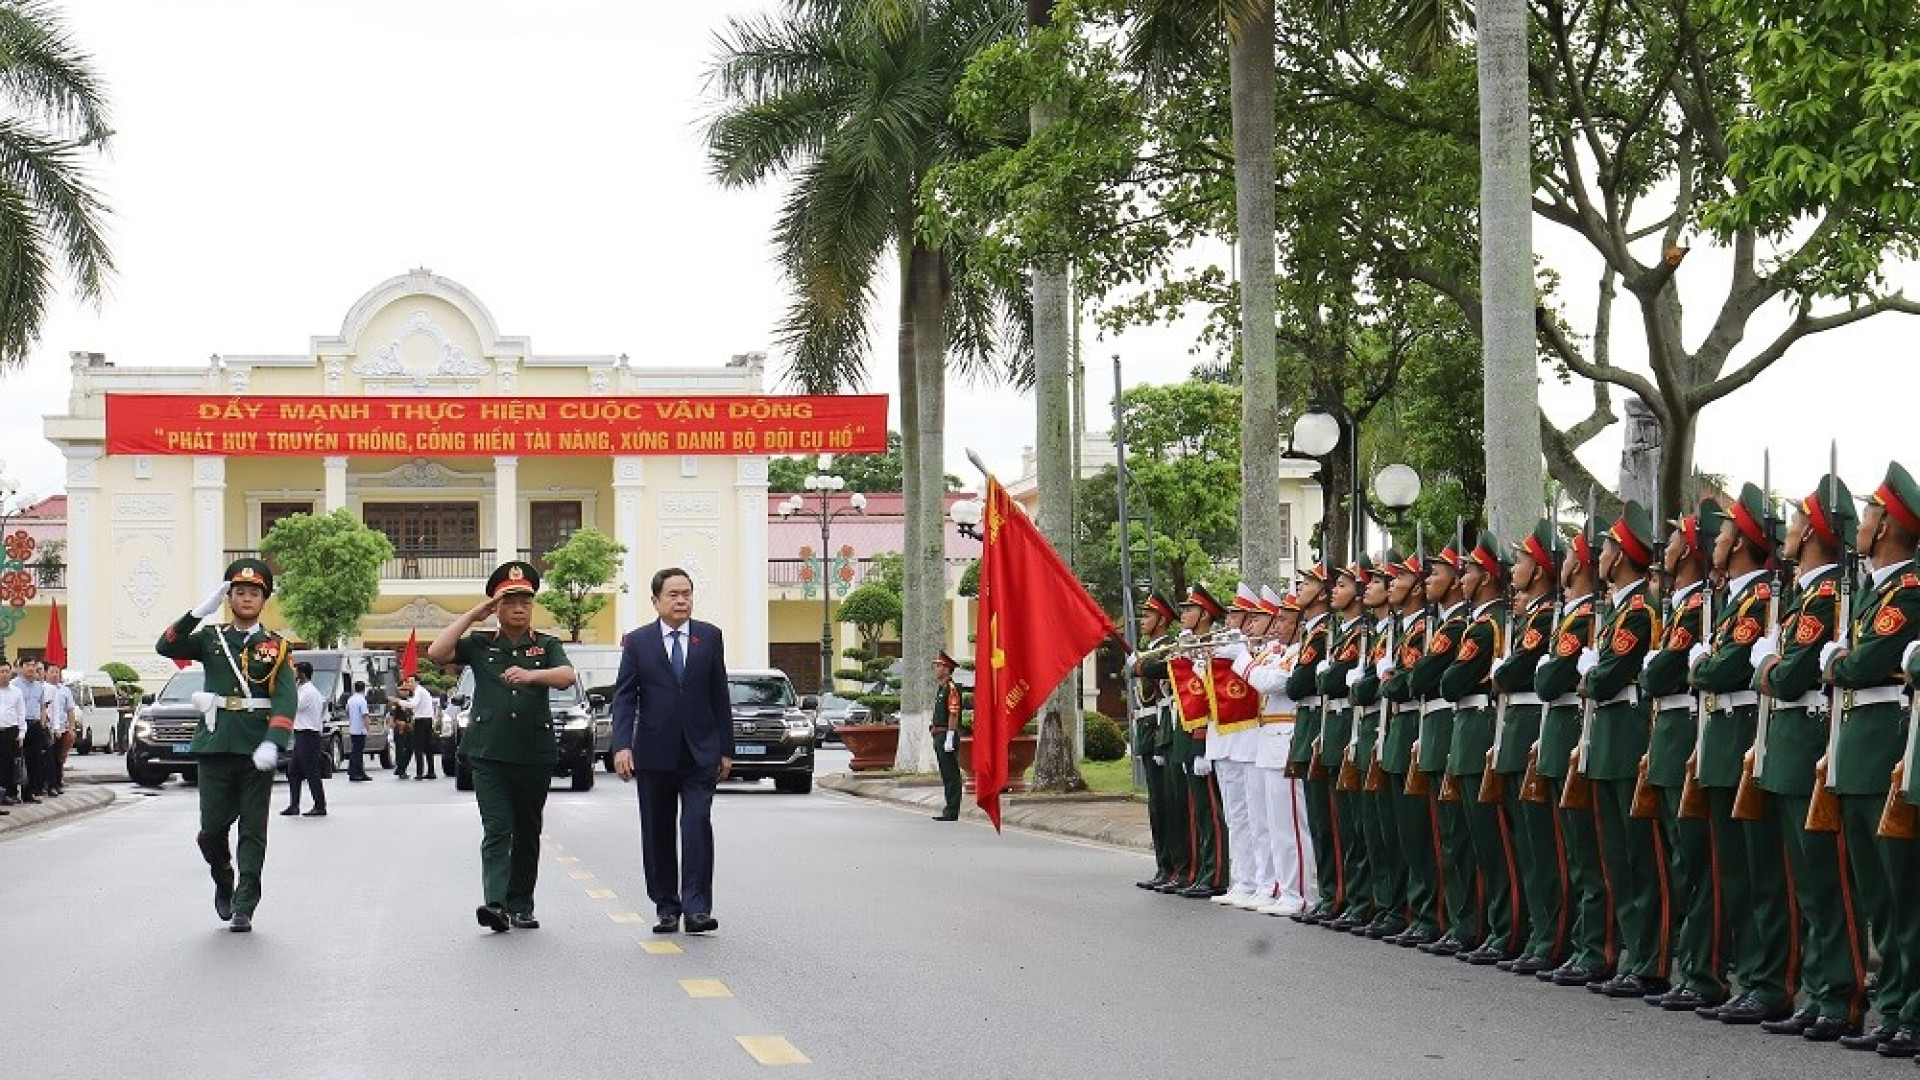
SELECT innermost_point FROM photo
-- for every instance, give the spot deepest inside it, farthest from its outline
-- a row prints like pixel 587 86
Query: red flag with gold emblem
pixel 56 651
pixel 1036 623
pixel 410 656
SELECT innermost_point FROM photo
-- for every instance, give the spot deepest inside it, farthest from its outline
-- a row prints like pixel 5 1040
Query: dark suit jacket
pixel 654 714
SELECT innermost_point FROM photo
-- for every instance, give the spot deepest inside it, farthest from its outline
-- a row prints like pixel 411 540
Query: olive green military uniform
pixel 1387 869
pixel 1412 814
pixel 1833 950
pixel 1536 834
pixel 1173 850
pixel 1873 735
pixel 1303 754
pixel 232 790
pixel 1468 683
pixel 1587 906
pixel 1336 742
pixel 509 748
pixel 1147 706
pixel 946 718
pixel 1454 865
pixel 1695 918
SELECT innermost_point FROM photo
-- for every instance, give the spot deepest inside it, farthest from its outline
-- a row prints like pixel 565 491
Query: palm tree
pixel 51 216
pixel 852 99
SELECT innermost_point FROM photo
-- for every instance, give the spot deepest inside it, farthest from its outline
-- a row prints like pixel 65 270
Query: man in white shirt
pixel 357 732
pixel 309 717
pixel 33 741
pixel 13 722
pixel 420 731
pixel 62 715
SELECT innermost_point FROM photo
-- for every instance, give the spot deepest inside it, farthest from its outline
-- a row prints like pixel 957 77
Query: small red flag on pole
pixel 410 657
pixel 1036 624
pixel 56 652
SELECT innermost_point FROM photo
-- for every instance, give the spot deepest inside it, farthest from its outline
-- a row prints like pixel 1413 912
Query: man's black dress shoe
pixel 291 811
pixel 1570 975
pixel 5 813
pixel 702 924
pixel 1905 1043
pixel 1788 1025
pixel 1633 986
pixel 1829 1029
pixel 1415 939
pixel 242 923
pixel 1871 1038
pixel 1172 887
pixel 1532 965
pixel 318 811
pixel 1344 924
pixel 29 799
pixel 1445 946
pixel 493 917
pixel 1680 999
pixel 1150 883
pixel 1197 892
pixel 946 817
pixel 1382 929
pixel 523 920
pixel 668 924
pixel 1714 1012
pixel 223 894
pixel 1486 956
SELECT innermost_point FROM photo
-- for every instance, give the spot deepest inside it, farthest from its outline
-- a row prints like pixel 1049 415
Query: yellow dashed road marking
pixel 581 875
pixel 600 894
pixel 772 1050
pixel 661 948
pixel 705 988
pixel 625 917
pixel 566 858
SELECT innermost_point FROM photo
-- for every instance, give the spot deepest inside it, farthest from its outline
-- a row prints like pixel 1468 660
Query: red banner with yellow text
pixel 531 426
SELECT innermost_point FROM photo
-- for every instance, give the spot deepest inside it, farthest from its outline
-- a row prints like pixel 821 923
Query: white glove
pixel 1233 650
pixel 1354 675
pixel 1160 761
pixel 1186 634
pixel 266 756
pixel 1232 636
pixel 1320 669
pixel 1762 650
pixel 1202 767
pixel 1387 666
pixel 211 605
pixel 953 739
pixel 1645 659
pixel 1587 662
pixel 1906 658
pixel 1696 654
pixel 1826 654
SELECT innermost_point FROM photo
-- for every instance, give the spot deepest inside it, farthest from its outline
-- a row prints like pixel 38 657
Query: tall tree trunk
pixel 926 560
pixel 1510 380
pixel 1640 454
pixel 1250 60
pixel 914 697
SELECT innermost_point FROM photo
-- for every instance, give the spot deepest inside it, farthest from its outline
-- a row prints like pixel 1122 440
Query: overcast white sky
pixel 275 160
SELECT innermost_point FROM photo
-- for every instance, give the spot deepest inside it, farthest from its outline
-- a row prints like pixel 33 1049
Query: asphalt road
pixel 872 941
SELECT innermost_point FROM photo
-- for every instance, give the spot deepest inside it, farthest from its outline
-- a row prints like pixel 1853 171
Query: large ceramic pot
pixel 1019 760
pixel 873 746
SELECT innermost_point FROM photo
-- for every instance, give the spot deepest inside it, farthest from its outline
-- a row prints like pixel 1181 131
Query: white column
pixel 750 496
pixel 506 509
pixel 629 489
pixel 209 520
pixel 336 489
pixel 958 646
pixel 88 582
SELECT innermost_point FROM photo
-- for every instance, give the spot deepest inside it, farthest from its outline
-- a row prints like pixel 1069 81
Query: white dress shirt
pixel 310 708
pixel 13 707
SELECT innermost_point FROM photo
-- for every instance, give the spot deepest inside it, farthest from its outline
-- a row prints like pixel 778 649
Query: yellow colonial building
pixel 148 533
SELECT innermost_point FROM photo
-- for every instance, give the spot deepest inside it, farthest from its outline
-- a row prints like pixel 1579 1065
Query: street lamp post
pixel 825 484
pixel 1317 433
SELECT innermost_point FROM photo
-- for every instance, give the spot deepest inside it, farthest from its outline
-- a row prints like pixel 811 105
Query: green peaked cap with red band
pixel 1159 603
pixel 1702 526
pixel 1487 555
pixel 1199 597
pixel 1543 546
pixel 1901 498
pixel 1634 534
pixel 1830 510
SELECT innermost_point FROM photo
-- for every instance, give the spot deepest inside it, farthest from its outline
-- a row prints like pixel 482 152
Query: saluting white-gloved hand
pixel 1696 654
pixel 1354 675
pixel 1202 767
pixel 1589 660
pixel 211 605
pixel 1763 649
pixel 266 756
pixel 1827 652
pixel 953 739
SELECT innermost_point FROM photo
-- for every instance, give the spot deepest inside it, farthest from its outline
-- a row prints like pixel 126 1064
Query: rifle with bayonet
pixel 1749 799
pixel 1376 772
pixel 1578 793
pixel 1533 786
pixel 1646 797
pixel 1417 780
pixel 1493 785
pixel 1823 812
pixel 1449 783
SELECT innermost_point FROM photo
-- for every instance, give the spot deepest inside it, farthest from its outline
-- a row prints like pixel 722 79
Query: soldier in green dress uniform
pixel 1536 832
pixel 1699 907
pixel 1866 668
pixel 1468 683
pixel 1148 669
pixel 1378 813
pixel 1786 663
pixel 1344 654
pixel 1454 857
pixel 1316 785
pixel 1412 811
pixel 946 734
pixel 246 720
pixel 508 745
pixel 1175 807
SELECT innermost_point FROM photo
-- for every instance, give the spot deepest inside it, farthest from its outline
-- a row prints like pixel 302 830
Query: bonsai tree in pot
pixel 872 608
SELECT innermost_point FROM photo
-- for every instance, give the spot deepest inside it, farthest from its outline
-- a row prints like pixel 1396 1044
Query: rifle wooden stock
pixel 1901 819
pixel 1578 794
pixel 1450 788
pixel 1533 786
pixel 1493 785
pixel 1376 776
pixel 1823 812
pixel 1418 783
pixel 1750 799
pixel 1349 774
pixel 1317 768
pixel 1646 797
pixel 1693 797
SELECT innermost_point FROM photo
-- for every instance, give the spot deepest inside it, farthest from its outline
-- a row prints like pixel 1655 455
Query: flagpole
pixel 1127 622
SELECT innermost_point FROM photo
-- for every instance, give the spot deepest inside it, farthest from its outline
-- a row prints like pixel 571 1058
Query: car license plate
pixel 183 751
pixel 749 751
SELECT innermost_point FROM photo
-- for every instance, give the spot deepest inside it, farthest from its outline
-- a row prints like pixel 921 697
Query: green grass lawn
pixel 1108 777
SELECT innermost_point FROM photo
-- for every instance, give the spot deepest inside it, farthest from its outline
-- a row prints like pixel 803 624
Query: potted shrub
pixel 875 742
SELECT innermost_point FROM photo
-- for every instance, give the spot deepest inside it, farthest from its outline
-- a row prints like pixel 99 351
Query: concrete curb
pixel 1121 822
pixel 78 800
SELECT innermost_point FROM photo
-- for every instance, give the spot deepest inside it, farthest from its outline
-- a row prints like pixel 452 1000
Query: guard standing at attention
pixel 946 734
pixel 1150 705
pixel 508 745
pixel 246 721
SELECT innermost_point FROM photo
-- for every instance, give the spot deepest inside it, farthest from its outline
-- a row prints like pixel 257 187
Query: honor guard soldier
pixel 1235 763
pixel 246 720
pixel 1705 902
pixel 1468 683
pixel 1347 651
pixel 1743 901
pixel 508 745
pixel 1266 671
pixel 1865 668
pixel 1614 743
pixel 1587 909
pixel 1316 786
pixel 1454 855
pixel 1150 704
pixel 1378 814
pixel 1536 826
pixel 945 729
pixel 1206 832
pixel 1705 862
pixel 1786 663
pixel 1412 803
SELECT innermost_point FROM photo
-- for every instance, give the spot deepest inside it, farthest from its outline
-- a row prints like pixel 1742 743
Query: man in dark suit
pixel 673 728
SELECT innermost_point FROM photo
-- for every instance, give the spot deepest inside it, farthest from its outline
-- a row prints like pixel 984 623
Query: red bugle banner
pixel 534 426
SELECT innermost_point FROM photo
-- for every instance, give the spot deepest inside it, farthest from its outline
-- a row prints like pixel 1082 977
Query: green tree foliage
pixel 871 608
pixel 52 218
pixel 862 472
pixel 329 573
pixel 578 572
pixel 1103 738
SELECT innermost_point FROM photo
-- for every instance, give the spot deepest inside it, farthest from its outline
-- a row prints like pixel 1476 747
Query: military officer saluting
pixel 246 720
pixel 509 744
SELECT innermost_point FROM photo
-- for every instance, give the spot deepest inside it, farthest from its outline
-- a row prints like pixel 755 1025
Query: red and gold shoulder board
pixel 1910 580
pixel 1763 591
pixel 1827 588
pixel 1692 601
pixel 1638 602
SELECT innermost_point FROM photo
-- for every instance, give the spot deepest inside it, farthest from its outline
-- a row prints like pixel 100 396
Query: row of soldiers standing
pixel 1673 771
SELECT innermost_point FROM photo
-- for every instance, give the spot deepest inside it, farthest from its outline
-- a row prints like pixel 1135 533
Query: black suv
pixel 772 738
pixel 573 734
pixel 160 742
